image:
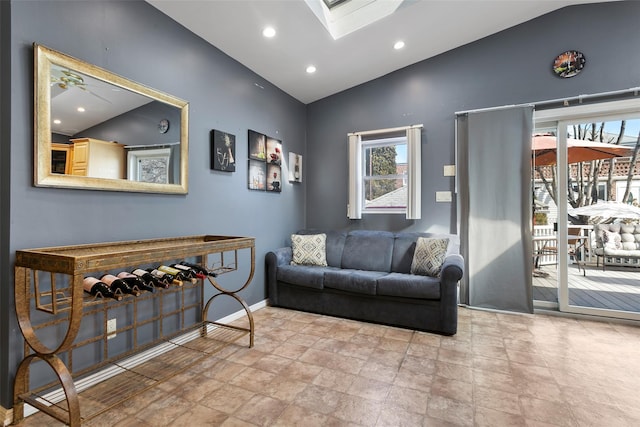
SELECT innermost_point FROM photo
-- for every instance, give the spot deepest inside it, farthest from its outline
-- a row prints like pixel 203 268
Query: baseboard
pixel 104 374
pixel 6 416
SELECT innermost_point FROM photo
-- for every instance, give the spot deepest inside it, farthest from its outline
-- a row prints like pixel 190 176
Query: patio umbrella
pixel 578 150
pixel 607 210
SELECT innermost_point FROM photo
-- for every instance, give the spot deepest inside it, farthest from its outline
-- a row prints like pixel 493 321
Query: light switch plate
pixel 443 196
pixel 449 170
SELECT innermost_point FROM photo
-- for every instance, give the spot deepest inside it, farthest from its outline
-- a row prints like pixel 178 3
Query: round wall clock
pixel 163 126
pixel 568 63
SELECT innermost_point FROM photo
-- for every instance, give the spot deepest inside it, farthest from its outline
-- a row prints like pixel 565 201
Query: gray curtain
pixel 494 199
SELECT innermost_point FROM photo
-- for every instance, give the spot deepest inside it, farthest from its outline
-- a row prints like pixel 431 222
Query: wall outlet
pixel 443 196
pixel 111 328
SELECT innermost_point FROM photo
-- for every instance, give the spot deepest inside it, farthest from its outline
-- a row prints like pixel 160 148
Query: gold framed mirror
pixel 97 130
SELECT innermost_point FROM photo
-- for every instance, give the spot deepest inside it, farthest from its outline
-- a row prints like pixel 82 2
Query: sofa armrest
pixel 273 259
pixel 451 272
pixel 283 256
pixel 452 269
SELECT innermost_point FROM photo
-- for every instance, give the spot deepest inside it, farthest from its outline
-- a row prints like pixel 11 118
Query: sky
pixel 632 127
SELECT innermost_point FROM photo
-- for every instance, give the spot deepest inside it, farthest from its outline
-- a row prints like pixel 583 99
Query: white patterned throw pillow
pixel 309 249
pixel 611 240
pixel 429 256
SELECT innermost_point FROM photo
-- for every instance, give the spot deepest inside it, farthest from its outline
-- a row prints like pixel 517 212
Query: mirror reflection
pixel 98 130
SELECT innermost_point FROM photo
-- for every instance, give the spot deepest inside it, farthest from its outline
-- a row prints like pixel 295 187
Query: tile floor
pixel 311 370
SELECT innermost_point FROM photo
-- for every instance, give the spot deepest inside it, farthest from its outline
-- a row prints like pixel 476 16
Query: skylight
pixel 333 3
pixel 342 17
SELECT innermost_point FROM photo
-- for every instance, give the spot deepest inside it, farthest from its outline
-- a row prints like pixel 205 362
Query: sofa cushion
pixel 611 240
pixel 429 256
pixel 309 249
pixel 357 281
pixel 335 245
pixel 405 245
pixel 623 253
pixel 368 250
pixel 409 286
pixel 302 275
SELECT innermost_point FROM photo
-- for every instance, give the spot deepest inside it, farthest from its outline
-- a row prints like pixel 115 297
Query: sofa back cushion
pixel 618 236
pixel 334 245
pixel 368 250
pixel 405 246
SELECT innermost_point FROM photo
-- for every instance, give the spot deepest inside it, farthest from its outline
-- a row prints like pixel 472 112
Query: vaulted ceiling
pixel 427 28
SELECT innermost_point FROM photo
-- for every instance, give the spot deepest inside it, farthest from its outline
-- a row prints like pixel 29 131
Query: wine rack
pixel 165 332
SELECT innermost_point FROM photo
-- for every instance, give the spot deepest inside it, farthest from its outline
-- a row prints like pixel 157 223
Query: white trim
pixel 135 158
pixel 138 147
pixel 584 316
pixel 590 111
pixel 377 131
pixel 565 101
pixel 57 395
pixel 561 118
pixel 6 416
pixel 414 174
pixel 354 204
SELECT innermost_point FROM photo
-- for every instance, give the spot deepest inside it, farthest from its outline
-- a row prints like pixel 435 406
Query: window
pixel 384 172
pixel 384 166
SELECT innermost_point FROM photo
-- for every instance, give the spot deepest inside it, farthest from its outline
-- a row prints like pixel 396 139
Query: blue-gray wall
pixel 508 68
pixel 6 307
pixel 135 40
pixel 511 67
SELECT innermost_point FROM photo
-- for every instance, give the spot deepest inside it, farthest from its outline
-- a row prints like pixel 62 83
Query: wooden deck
pixel 617 288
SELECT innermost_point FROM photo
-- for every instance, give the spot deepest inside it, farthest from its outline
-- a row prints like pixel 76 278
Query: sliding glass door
pixel 586 215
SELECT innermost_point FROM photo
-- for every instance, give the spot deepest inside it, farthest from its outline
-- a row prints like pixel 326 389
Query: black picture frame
pixel 274 178
pixel 274 151
pixel 223 148
pixel 257 145
pixel 256 175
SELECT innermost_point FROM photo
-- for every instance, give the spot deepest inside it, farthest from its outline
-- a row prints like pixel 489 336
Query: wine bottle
pixel 134 281
pixel 164 277
pixel 149 279
pixel 189 272
pixel 178 274
pixel 97 288
pixel 200 269
pixel 118 285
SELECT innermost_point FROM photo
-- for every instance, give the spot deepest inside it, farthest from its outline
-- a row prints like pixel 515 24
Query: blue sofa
pixel 368 277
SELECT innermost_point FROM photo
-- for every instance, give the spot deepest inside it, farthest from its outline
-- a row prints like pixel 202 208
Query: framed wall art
pixel 274 151
pixel 295 167
pixel 257 146
pixel 257 175
pixel 265 163
pixel 274 178
pixel 223 148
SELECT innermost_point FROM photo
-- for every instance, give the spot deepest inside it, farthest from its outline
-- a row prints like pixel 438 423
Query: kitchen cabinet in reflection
pixel 98 159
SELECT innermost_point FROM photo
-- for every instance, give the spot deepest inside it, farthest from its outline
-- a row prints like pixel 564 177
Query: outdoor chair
pixel 575 245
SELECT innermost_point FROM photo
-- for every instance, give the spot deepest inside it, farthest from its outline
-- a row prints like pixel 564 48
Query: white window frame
pixel 356 205
pixel 562 118
pixel 137 161
pixel 363 178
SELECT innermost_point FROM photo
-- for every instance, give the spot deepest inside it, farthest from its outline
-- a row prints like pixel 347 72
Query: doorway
pixel 577 197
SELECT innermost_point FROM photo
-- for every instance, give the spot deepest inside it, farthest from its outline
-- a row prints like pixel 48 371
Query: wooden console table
pixel 50 302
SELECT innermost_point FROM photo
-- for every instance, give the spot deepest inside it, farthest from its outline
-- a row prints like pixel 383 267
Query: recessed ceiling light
pixel 57 121
pixel 398 45
pixel 269 32
pixel 80 109
pixel 311 69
